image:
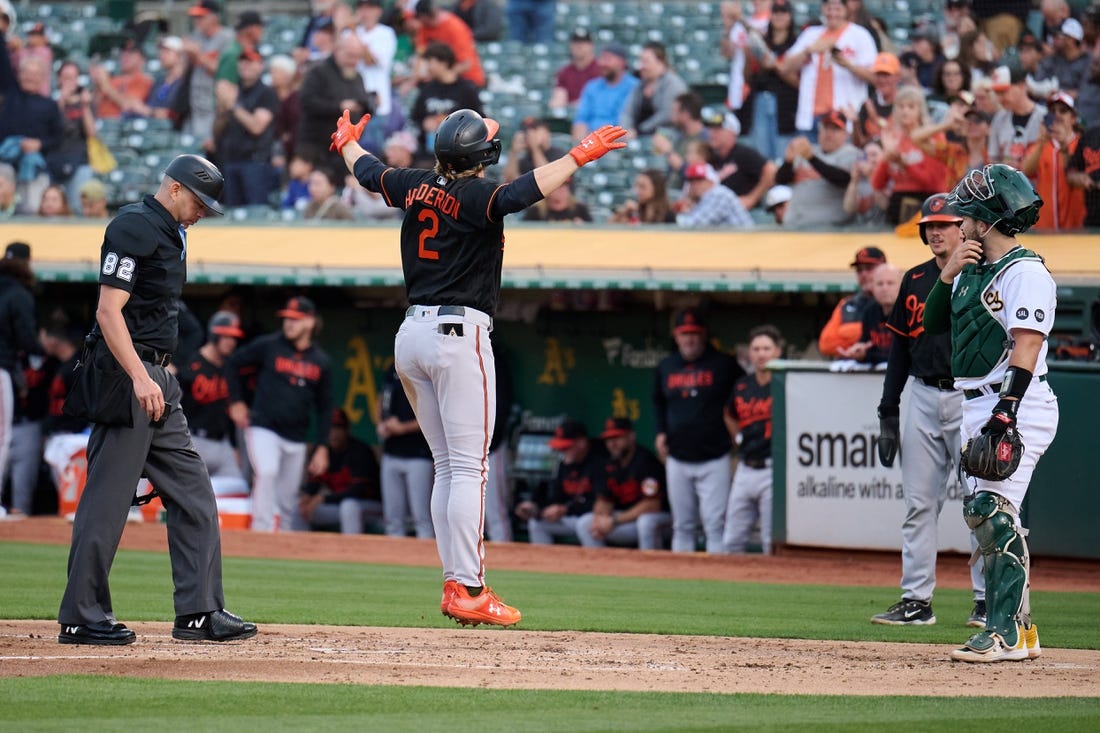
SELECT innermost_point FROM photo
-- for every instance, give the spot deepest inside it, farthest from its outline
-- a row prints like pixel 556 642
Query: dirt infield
pixel 560 660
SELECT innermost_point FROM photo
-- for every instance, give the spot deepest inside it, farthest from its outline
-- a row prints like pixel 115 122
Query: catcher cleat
pixel 448 595
pixel 484 608
pixel 977 616
pixel 906 612
pixel 1031 637
pixel 989 646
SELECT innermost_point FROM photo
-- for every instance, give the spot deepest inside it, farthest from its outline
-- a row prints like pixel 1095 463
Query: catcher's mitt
pixel 993 456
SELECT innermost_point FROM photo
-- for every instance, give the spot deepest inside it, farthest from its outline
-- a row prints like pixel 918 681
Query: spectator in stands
pixel 1046 162
pixel 845 325
pixel 400 149
pixel 1069 63
pixel 735 39
pixel 407 468
pixel 203 49
pixel 124 94
pixel 1001 20
pixel 68 163
pixel 774 94
pixel 296 195
pixel 30 127
pixel 862 202
pixel 379 45
pixel 324 197
pixel 919 63
pixel 833 61
pixel 877 110
pixel 246 142
pixel 8 196
pixel 955 21
pixel 687 122
pixel 1054 13
pixel 980 55
pixel 531 21
pixel 366 205
pixel 631 499
pixel 36 45
pixel 819 174
pixel 960 141
pixel 649 105
pixel 322 19
pixel 54 202
pixel 93 200
pixel 429 25
pixel 873 346
pixel 1030 53
pixel 248 33
pixel 484 17
pixel 324 41
pixel 951 81
pixel 442 92
pixel 560 205
pixel 285 82
pixel 1088 97
pixel 776 202
pixel 571 78
pixel 602 99
pixel 329 87
pixel 650 204
pixel 740 168
pixel 860 15
pixel 909 172
pixel 162 102
pixel 1084 173
pixel 1018 123
pixel 348 494
pixel 711 204
pixel 553 510
pixel 531 147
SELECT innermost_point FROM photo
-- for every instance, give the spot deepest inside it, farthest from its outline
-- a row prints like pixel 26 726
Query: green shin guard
pixel 1006 562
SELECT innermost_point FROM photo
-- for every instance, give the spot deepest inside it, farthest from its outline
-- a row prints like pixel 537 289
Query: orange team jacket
pixel 451 30
pixel 1063 206
pixel 845 325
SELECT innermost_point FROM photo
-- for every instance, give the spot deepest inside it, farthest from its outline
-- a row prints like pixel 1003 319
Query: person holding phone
pixel 1046 162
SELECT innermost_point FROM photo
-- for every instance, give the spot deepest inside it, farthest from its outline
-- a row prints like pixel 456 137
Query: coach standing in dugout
pixel 690 393
pixel 293 383
pixel 452 250
pixel 139 429
pixel 930 446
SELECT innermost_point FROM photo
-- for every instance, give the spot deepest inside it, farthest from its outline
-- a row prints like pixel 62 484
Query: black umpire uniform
pixel 144 256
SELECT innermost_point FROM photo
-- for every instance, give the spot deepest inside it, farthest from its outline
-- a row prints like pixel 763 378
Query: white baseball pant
pixel 407 491
pixel 277 468
pixel 222 465
pixel 647 532
pixel 750 500
pixel 697 495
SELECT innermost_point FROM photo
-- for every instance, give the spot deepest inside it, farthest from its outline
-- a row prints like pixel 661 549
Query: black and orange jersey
pixel 877 332
pixel 751 408
pixel 205 397
pixel 292 386
pixel 688 400
pixel 930 355
pixel 575 483
pixel 643 477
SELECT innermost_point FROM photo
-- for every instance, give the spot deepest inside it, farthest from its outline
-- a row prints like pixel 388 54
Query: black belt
pixel 993 389
pixel 947 384
pixel 152 356
pixel 755 462
pixel 443 310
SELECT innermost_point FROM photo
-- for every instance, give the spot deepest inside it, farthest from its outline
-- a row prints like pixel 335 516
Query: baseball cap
pixel 978 114
pixel 1060 98
pixel 1028 39
pixel 615 48
pixel 886 63
pixel 869 256
pixel 17 251
pixel 298 307
pixel 424 7
pixel 1072 27
pixel 203 8
pixel 616 427
pixel 249 18
pixel 581 35
pixel 249 54
pixel 567 434
pixel 718 117
pixel 38 29
pixel 776 195
pixel 834 118
pixel 696 172
pixel 339 418
pixel 689 320
pixel 172 43
pixel 1004 76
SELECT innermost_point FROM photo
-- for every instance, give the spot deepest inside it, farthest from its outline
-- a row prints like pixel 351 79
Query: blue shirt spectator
pixel 603 98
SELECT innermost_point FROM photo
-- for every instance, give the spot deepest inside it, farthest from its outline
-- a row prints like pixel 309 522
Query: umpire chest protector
pixel 979 339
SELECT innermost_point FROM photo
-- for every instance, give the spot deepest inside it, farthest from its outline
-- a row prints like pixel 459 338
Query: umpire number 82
pixel 123 268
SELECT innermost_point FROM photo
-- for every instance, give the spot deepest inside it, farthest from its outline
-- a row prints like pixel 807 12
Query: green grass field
pixel 272 591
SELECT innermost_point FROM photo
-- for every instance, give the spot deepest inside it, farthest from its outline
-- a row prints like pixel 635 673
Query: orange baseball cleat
pixel 448 594
pixel 484 608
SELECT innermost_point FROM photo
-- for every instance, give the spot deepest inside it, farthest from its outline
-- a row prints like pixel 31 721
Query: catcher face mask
pixel 976 186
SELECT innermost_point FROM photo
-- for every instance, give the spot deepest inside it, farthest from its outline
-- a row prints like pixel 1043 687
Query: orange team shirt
pixel 837 334
pixel 1063 207
pixel 452 31
pixel 137 86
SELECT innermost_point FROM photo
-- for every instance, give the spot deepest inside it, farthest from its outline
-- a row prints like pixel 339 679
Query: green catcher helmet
pixel 999 195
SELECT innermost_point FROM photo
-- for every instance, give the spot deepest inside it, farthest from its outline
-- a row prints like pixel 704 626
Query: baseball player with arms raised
pixel 452 248
pixel 930 445
pixel 998 301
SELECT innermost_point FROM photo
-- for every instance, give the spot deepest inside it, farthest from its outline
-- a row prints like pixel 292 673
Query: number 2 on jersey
pixel 430 229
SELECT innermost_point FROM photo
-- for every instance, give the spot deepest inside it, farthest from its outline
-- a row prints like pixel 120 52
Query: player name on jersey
pixel 429 195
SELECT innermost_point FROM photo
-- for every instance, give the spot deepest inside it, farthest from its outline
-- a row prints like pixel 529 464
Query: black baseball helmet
pixel 224 323
pixel 937 208
pixel 200 177
pixel 465 140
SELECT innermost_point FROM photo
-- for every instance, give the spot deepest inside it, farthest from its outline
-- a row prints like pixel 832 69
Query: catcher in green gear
pixel 997 299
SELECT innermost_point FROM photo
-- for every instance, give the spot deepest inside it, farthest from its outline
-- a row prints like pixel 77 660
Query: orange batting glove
pixel 597 144
pixel 347 132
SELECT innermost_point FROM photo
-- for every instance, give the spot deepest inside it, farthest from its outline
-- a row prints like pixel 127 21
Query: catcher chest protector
pixel 1007 565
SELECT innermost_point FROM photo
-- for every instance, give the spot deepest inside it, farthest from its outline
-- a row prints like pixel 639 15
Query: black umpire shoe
pixel 212 626
pixel 102 633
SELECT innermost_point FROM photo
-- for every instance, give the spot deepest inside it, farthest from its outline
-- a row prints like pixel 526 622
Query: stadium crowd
pixel 851 121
